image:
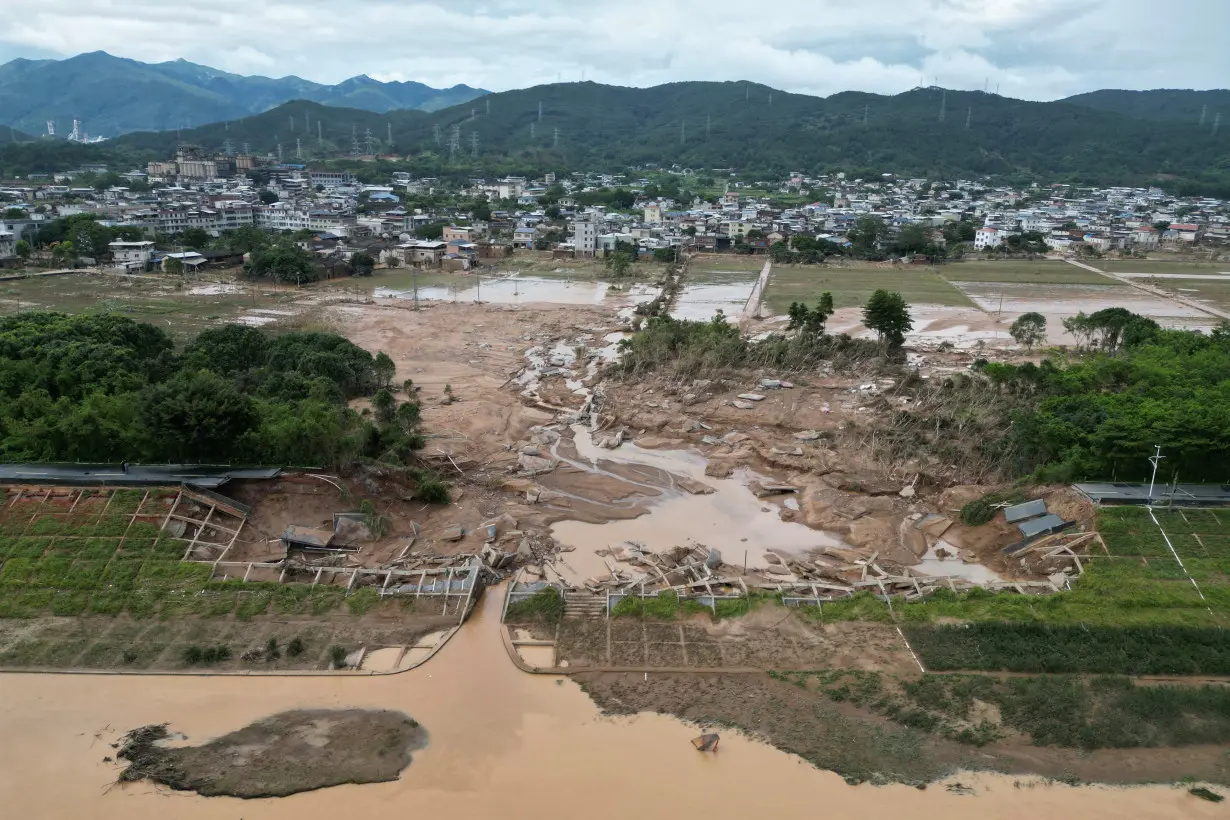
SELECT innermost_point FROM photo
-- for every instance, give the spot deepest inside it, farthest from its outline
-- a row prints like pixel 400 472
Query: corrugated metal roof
pixel 309 536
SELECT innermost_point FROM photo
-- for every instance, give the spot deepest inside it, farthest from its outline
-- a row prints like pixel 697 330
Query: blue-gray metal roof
pixel 1040 526
pixel 1123 492
pixel 132 474
pixel 1029 509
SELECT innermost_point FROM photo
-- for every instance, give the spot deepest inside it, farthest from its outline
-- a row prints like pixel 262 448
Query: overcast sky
pixel 1035 49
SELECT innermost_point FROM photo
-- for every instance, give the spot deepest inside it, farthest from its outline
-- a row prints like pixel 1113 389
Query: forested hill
pixel 113 95
pixel 926 131
pixel 1162 104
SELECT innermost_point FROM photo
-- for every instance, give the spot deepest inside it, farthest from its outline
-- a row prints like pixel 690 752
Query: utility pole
pixel 1156 458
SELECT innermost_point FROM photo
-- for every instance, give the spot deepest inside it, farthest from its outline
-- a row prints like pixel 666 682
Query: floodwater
pixel 1068 300
pixel 701 302
pixel 953 566
pixel 503 744
pixel 516 290
pixel 731 519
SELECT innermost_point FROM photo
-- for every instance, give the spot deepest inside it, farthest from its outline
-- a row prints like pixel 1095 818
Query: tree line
pixel 104 388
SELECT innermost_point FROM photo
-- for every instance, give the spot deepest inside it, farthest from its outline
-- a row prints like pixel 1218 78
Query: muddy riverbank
pixel 503 744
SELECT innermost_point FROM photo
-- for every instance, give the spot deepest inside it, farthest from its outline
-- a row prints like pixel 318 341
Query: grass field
pixel 851 287
pixel 164 301
pixel 1158 266
pixel 99 584
pixel 1019 271
pixel 1216 294
pixel 726 262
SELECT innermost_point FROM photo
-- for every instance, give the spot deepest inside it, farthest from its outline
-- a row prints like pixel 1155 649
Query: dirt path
pixel 1152 291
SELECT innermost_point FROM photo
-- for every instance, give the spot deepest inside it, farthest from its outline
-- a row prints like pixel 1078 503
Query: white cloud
pixel 1039 49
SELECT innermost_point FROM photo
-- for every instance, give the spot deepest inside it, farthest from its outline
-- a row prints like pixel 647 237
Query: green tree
pixel 619 264
pixel 384 406
pixel 384 369
pixel 1029 330
pixel 1161 226
pixel 14 213
pixel 173 266
pixel 866 233
pixel 888 315
pixel 268 197
pixel 196 238
pixel 196 417
pixel 432 230
pixel 363 264
pixel 22 249
pixel 283 262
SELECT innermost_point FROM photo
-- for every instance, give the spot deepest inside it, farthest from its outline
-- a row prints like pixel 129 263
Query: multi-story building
pixel 585 236
pixel 8 246
pixel 132 255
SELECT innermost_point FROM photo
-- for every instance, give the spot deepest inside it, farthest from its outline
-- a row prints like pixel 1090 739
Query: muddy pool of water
pixel 504 744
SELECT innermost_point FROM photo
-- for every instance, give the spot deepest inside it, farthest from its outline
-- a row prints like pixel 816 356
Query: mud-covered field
pixel 281 755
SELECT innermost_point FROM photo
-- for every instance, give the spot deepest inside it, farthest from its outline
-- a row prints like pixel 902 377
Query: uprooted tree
pixel 1029 330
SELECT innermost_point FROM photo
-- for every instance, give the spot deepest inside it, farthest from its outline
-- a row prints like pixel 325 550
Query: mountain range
pixel 113 95
pixel 925 131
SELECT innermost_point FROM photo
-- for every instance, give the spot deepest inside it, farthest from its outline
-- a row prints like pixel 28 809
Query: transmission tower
pixel 1204 112
pixel 454 142
pixel 51 128
pixel 683 131
pixel 298 149
pixel 1216 124
pixel 474 145
pixel 969 114
pixel 390 137
pixel 866 111
pixel 555 140
pixel 488 106
pixel 247 149
pixel 369 142
pixel 435 129
pixel 228 147
pixel 943 104
pixel 279 153
pixel 532 134
pixel 355 151
pixel 320 134
pixel 708 123
pixel 540 111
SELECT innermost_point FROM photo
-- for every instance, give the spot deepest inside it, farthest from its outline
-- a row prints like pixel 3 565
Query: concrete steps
pixel 581 605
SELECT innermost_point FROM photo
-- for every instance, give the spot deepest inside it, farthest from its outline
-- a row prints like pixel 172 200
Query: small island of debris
pixel 281 755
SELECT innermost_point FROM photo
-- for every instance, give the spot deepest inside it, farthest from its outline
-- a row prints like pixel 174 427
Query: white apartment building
pixel 987 238
pixel 8 245
pixel 132 255
pixel 585 236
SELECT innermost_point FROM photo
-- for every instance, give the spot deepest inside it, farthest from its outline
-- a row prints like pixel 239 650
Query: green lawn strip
pixel 1160 266
pixel 1046 648
pixel 1022 272
pixel 852 287
pixel 1064 711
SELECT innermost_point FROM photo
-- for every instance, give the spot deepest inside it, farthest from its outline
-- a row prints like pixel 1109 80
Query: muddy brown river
pixel 503 744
